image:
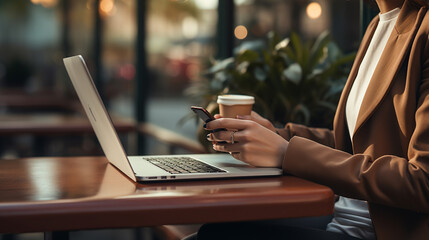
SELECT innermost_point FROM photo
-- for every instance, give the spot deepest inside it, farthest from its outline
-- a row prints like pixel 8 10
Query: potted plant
pixel 291 80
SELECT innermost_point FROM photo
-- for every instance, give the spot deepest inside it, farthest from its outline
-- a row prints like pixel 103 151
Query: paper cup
pixel 232 105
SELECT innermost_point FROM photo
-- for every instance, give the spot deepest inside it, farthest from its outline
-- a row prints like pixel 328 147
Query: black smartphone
pixel 202 113
pixel 205 116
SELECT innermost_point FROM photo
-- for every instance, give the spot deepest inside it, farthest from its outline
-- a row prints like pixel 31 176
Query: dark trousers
pixel 287 229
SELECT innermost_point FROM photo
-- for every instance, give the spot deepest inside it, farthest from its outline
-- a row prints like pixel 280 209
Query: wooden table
pixel 17 99
pixel 48 124
pixel 48 128
pixel 71 193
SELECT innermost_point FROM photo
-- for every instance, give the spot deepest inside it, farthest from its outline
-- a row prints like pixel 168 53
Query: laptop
pixel 151 167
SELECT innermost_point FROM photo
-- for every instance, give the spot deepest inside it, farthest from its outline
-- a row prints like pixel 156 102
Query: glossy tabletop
pixel 71 193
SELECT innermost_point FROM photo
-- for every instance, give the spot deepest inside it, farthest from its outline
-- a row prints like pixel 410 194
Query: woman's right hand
pixel 248 141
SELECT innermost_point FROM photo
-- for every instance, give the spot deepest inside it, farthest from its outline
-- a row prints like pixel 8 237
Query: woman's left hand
pixel 248 141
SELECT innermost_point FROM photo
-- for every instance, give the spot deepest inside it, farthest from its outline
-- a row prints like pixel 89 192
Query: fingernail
pixel 208 136
pixel 205 125
pixel 240 117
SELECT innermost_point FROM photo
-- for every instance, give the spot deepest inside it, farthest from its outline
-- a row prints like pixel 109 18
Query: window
pixel 308 18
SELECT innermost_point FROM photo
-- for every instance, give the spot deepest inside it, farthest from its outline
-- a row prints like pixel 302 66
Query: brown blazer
pixel 387 162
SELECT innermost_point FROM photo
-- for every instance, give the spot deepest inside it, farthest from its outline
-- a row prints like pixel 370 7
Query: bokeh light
pixel 107 7
pixel 190 27
pixel 240 32
pixel 314 10
pixel 45 3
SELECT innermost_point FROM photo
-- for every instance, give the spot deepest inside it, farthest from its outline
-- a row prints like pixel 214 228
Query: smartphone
pixel 205 116
pixel 202 113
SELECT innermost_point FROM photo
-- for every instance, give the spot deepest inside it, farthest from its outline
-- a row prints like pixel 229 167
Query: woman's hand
pixel 254 117
pixel 248 141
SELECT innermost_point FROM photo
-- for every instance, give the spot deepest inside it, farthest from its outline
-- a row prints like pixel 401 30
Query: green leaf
pixel 293 73
pixel 273 39
pixel 260 74
pixel 216 85
pixel 334 52
pixel 248 55
pixel 327 105
pixel 257 46
pixel 282 44
pixel 287 60
pixel 297 48
pixel 285 102
pixel 222 65
pixel 301 110
pixel 242 67
pixel 317 50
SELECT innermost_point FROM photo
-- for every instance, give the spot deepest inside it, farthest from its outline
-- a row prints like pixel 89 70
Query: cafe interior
pixel 151 60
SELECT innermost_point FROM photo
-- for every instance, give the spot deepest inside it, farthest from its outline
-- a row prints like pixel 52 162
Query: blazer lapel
pixel 390 62
pixel 340 128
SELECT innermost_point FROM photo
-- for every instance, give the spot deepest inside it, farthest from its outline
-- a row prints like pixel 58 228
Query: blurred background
pixel 143 55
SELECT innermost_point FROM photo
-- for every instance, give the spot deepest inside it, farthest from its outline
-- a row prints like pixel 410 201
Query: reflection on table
pixel 52 194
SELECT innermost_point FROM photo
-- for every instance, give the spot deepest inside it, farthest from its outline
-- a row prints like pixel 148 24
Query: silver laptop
pixel 154 167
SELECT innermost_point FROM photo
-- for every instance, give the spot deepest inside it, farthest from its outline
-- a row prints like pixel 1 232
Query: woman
pixel 377 156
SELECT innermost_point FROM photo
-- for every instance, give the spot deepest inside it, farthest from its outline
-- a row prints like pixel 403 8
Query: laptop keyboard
pixel 178 165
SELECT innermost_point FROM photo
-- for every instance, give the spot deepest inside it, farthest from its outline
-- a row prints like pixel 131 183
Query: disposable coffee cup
pixel 232 105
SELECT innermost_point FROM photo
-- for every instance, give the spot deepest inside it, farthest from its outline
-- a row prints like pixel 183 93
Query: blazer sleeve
pixel 321 135
pixel 389 180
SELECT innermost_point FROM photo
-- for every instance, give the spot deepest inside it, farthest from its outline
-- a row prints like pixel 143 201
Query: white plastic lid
pixel 235 99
